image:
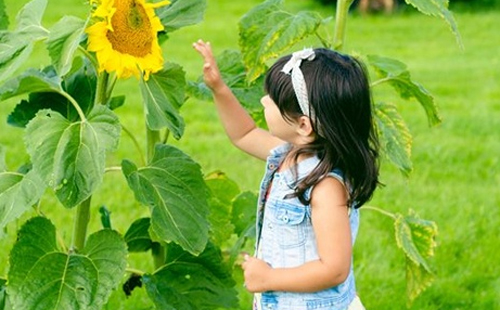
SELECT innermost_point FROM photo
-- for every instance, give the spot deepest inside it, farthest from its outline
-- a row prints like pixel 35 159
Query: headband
pixel 292 67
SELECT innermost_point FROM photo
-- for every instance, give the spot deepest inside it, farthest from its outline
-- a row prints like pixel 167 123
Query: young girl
pixel 321 152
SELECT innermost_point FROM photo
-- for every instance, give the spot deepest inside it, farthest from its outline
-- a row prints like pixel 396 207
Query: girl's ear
pixel 304 127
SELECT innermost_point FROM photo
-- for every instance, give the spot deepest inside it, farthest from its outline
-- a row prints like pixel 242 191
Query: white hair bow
pixel 292 67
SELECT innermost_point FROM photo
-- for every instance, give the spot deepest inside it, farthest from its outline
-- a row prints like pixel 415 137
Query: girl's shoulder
pixel 332 183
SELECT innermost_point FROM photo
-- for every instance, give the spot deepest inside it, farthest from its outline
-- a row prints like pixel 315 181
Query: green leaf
pixel 4 24
pixel 223 190
pixel 267 30
pixel 30 81
pixel 70 156
pixel 438 8
pixel 395 137
pixel 16 46
pixel 181 13
pixel 105 217
pixel 397 75
pixel 416 237
pixel 234 75
pixel 247 234
pixel 41 276
pixel 172 186
pixel 192 283
pixel 244 211
pixel 79 84
pixel 163 95
pixel 137 236
pixel 64 38
pixel 116 102
pixel 18 193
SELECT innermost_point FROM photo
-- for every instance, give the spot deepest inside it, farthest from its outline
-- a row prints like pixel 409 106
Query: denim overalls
pixel 285 237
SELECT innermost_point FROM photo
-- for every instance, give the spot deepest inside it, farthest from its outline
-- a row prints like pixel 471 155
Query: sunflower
pixel 125 37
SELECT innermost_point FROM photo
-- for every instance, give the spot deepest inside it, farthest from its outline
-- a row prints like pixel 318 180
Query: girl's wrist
pixel 220 89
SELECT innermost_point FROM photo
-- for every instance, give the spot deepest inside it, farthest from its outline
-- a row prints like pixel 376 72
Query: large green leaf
pixel 30 81
pixel 163 95
pixel 70 156
pixel 243 213
pixel 181 13
pixel 64 38
pixel 172 185
pixel 18 193
pixel 397 75
pixel 416 237
pixel 4 18
pixel 234 75
pixel 16 46
pixel 267 30
pixel 222 190
pixel 192 283
pixel 41 276
pixel 80 84
pixel 137 236
pixel 243 219
pixel 395 137
pixel 438 8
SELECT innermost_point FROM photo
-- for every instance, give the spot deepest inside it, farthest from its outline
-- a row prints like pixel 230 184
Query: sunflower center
pixel 132 29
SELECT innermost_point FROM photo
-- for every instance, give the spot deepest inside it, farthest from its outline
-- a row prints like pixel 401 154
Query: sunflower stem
pixel 81 223
pixel 135 271
pixel 159 255
pixel 158 252
pixel 83 210
pixel 379 210
pixel 341 23
pixel 89 57
pixel 380 81
pixel 75 104
pixel 166 136
pixel 136 144
pixel 102 89
pixel 153 137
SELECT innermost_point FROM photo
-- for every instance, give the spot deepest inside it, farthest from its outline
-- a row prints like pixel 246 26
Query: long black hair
pixel 340 100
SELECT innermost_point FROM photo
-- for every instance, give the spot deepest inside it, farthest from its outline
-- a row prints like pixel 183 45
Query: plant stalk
pixel 159 255
pixel 158 251
pixel 75 104
pixel 102 89
pixel 340 23
pixel 83 210
pixel 81 224
pixel 153 137
pixel 379 210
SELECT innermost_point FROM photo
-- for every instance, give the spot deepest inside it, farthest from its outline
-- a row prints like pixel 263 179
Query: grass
pixel 455 178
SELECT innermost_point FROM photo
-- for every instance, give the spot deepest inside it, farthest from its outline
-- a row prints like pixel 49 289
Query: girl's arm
pixel 330 221
pixel 239 126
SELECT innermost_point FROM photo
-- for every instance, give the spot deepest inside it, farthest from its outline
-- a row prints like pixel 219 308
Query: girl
pixel 321 152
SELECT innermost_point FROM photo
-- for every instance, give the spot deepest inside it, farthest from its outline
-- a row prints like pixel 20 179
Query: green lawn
pixel 456 166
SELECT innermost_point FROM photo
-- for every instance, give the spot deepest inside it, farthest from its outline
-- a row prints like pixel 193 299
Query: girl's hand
pixel 257 273
pixel 211 73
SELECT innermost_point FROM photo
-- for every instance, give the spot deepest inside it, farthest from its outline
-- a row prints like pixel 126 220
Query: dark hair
pixel 340 99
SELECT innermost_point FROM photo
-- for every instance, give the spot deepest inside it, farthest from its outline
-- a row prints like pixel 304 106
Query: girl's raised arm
pixel 240 127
